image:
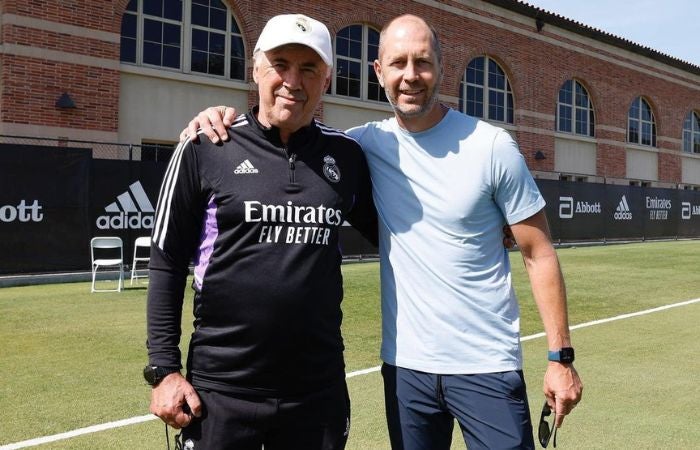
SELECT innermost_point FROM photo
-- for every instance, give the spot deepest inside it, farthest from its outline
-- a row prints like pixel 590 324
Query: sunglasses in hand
pixel 545 432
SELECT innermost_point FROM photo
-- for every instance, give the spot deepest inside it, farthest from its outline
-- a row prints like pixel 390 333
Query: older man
pixel 444 184
pixel 260 216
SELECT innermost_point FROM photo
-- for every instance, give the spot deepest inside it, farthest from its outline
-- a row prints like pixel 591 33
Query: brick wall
pixel 537 64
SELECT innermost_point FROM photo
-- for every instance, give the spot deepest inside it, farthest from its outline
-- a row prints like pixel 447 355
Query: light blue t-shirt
pixel 443 196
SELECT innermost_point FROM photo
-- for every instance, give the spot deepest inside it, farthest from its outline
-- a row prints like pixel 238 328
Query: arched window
pixel 485 91
pixel 574 110
pixel 641 127
pixel 691 133
pixel 193 36
pixel 356 48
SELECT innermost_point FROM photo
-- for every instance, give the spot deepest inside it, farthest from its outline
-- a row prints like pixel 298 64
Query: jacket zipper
pixel 292 166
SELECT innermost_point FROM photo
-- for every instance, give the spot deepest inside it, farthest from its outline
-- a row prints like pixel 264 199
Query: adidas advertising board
pixel 622 212
pixel 132 209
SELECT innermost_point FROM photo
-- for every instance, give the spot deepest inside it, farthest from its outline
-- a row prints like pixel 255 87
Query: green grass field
pixel 71 359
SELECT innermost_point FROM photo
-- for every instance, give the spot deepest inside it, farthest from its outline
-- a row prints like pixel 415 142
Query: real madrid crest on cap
pixel 330 170
pixel 303 25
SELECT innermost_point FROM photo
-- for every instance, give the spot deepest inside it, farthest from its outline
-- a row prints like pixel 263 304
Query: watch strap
pixel 563 355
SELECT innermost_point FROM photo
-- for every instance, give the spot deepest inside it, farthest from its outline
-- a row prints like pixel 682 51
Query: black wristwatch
pixel 563 355
pixel 155 374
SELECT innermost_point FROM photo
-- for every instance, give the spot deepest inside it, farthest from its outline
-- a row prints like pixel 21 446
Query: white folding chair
pixel 142 256
pixel 107 252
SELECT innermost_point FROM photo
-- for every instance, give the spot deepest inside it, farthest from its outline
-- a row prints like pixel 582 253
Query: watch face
pixel 149 374
pixel 566 355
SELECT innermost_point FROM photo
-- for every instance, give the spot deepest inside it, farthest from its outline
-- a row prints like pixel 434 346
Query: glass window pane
pixel 565 118
pixel 475 71
pixel 496 105
pixel 341 46
pixel 132 6
pixel 216 64
pixel 510 108
pixel 171 34
pixel 201 2
pixel 696 122
pixel 581 96
pixel 497 77
pixel 634 109
pixel 237 69
pixel 151 53
pixel 646 111
pixel 153 7
pixel 354 69
pixel 372 53
pixel 633 131
pixel 128 50
pixel 591 121
pixel 200 15
pixel 200 40
pixel 696 143
pixel 237 49
pixel 687 141
pixel 217 43
pixel 565 93
pixel 341 69
pixel 581 121
pixel 172 9
pixel 199 62
pixel 217 4
pixel 217 19
pixel 171 56
pixel 129 27
pixel 152 30
pixel 646 133
pixel 234 26
pixel 355 50
pixel 354 88
pixel 372 37
pixel 355 32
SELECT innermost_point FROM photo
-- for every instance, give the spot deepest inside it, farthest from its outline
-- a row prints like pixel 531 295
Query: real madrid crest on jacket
pixel 264 241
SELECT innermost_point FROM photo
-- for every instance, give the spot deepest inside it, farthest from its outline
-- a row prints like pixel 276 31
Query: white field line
pixel 148 417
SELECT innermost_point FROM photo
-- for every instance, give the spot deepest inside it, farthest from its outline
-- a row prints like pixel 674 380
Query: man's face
pixel 408 68
pixel 291 80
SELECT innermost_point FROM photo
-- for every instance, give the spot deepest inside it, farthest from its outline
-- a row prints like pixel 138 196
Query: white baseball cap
pixel 296 29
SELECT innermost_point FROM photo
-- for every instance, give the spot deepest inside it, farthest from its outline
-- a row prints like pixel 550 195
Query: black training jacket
pixel 260 221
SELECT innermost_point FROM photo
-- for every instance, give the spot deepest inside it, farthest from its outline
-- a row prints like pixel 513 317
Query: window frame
pixel 638 103
pixel 691 136
pixel 486 89
pixel 233 31
pixel 574 108
pixel 365 66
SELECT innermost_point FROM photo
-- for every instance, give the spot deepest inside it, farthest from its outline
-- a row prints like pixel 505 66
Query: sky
pixel 669 26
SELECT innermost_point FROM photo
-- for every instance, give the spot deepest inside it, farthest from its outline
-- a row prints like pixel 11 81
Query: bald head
pixel 401 22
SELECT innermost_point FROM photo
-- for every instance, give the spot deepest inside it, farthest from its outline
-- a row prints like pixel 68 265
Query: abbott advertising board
pixel 577 209
pixel 44 195
pixel 689 217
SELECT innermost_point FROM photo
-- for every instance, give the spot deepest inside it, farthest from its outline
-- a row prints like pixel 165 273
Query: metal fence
pixel 100 150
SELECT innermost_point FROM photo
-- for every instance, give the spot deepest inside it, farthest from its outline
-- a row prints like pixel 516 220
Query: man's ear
pixel 327 83
pixel 255 74
pixel 378 72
